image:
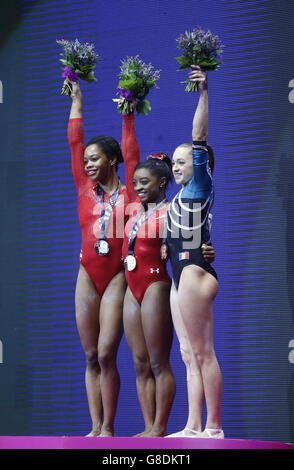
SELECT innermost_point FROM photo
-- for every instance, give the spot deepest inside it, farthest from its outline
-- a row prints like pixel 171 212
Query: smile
pixel 91 172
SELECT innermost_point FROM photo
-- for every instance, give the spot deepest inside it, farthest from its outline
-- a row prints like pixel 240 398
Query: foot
pixel 210 433
pixel 187 432
pixel 94 433
pixel 143 433
pixel 151 433
pixel 106 432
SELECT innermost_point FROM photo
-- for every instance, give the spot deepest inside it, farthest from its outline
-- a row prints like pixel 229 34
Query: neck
pixel 110 185
pixel 158 200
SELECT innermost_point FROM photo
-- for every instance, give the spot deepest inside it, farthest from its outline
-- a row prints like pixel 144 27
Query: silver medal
pixel 130 262
pixel 102 247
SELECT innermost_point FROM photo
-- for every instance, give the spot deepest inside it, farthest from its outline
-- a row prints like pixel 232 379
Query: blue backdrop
pixel 251 129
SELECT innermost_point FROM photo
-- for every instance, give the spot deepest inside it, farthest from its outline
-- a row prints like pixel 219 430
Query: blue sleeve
pixel 200 185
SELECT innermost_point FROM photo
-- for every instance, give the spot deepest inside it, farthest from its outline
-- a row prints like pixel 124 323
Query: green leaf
pixel 184 62
pixel 143 107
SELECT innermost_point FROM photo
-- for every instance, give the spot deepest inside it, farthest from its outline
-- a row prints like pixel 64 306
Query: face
pixel 182 165
pixel 149 187
pixel 96 164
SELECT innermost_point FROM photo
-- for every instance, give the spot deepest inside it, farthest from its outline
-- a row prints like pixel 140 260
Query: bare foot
pixel 143 433
pixel 152 433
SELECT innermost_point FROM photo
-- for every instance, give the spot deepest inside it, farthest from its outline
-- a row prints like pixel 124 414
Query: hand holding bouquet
pixel 136 79
pixel 79 61
pixel 199 48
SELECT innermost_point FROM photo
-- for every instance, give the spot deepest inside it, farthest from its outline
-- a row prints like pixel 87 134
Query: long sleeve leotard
pixel 188 218
pixel 101 269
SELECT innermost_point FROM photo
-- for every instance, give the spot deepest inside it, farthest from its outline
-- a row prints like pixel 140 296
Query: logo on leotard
pixel 154 270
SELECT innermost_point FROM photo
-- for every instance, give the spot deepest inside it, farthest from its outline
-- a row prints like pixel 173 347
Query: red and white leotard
pixel 101 269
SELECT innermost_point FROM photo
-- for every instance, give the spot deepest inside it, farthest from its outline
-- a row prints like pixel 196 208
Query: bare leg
pixel 158 332
pixel 87 302
pixel 197 290
pixel 144 378
pixel 111 329
pixel 194 379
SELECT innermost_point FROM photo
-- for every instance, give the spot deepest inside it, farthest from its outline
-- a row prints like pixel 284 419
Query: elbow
pixel 199 136
pixel 199 132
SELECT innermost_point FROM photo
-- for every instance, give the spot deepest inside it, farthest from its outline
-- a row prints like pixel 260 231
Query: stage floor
pixel 43 442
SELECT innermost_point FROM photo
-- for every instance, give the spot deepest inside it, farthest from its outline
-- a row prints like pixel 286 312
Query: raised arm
pixel 201 182
pixel 131 153
pixel 76 136
pixel 200 121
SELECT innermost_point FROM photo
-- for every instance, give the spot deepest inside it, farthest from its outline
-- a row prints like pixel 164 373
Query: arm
pixel 131 153
pixel 202 182
pixel 200 121
pixel 76 135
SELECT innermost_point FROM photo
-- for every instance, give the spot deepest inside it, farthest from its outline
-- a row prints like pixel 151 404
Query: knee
pixel 142 366
pixel 203 355
pixel 186 354
pixel 92 358
pixel 106 358
pixel 157 368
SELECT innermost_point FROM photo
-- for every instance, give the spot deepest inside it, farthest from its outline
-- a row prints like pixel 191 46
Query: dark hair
pixel 109 146
pixel 158 165
pixel 210 157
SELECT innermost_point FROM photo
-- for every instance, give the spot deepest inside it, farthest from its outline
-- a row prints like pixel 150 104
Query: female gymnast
pixel 147 318
pixel 195 285
pixel 100 288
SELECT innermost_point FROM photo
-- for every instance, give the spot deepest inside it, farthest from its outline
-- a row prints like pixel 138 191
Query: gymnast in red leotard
pixel 147 317
pixel 100 288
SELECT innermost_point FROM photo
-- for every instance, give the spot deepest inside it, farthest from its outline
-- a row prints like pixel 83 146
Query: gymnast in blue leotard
pixel 188 218
pixel 195 283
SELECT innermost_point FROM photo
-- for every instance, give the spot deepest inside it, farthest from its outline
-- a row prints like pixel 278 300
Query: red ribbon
pixel 158 156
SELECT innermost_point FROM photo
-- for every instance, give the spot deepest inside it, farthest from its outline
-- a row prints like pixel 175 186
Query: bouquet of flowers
pixel 79 61
pixel 136 79
pixel 199 48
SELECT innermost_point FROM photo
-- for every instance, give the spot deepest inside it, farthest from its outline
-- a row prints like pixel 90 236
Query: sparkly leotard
pixel 101 269
pixel 188 218
pixel 149 266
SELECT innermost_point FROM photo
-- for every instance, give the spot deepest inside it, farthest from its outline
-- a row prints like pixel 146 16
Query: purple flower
pixel 70 74
pixel 127 94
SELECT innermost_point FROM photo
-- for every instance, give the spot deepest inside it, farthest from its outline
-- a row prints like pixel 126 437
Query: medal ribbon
pixel 137 222
pixel 106 213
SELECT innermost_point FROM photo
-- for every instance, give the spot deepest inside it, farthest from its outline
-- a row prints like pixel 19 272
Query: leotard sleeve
pixel 75 133
pixel 200 186
pixel 131 153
